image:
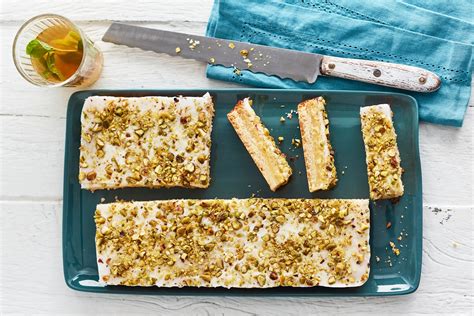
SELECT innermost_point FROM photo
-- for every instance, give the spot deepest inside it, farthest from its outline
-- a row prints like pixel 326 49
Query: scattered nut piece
pixel 91 175
pixel 395 250
pixel 296 142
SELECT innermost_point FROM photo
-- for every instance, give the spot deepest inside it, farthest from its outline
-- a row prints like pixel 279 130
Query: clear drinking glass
pixel 47 27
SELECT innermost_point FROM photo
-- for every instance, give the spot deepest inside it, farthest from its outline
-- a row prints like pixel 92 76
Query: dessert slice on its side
pixel 260 144
pixel 244 243
pixel 382 156
pixel 145 142
pixel 318 153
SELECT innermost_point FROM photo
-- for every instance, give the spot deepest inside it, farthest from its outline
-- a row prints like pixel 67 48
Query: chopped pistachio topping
pixel 233 243
pixel 145 142
pixel 382 155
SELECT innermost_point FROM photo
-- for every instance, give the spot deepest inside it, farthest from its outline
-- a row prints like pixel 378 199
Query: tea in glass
pixel 49 50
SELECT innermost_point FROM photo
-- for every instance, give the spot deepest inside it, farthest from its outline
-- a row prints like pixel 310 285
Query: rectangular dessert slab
pixel 317 149
pixel 235 175
pixel 234 243
pixel 151 141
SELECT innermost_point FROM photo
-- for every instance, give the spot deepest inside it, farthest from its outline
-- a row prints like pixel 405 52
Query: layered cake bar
pixel 260 144
pixel 318 153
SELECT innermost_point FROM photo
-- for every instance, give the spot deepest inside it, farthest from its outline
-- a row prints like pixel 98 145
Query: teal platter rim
pixel 78 269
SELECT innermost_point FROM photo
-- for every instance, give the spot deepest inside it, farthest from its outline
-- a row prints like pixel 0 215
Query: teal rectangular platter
pixel 235 175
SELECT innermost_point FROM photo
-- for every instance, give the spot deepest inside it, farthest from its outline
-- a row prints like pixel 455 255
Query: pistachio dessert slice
pixel 145 142
pixel 382 156
pixel 260 144
pixel 317 149
pixel 244 243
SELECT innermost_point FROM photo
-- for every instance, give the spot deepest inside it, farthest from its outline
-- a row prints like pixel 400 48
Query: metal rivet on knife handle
pixel 377 73
pixel 422 80
pixel 331 66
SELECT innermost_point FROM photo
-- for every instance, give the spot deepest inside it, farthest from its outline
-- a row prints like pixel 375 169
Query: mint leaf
pixel 37 48
pixel 50 63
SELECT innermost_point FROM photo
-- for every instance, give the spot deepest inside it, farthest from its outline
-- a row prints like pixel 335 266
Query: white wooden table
pixel 32 126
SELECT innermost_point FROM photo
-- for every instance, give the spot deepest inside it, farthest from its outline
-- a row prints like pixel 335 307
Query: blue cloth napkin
pixel 385 30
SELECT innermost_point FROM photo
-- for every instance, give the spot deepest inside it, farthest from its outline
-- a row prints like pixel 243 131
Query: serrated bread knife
pixel 284 63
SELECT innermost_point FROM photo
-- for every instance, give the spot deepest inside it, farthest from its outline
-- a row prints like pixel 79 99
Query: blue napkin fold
pixel 383 30
pixel 460 9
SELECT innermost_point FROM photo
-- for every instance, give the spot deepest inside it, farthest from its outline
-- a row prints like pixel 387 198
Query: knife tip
pixel 107 35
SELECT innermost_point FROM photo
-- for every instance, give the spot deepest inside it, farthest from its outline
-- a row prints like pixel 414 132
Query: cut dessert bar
pixel 382 155
pixel 318 153
pixel 145 142
pixel 247 243
pixel 260 144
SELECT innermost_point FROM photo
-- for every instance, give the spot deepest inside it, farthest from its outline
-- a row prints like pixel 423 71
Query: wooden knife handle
pixel 381 73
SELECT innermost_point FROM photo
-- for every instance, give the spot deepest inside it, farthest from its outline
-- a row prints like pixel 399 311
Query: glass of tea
pixel 51 51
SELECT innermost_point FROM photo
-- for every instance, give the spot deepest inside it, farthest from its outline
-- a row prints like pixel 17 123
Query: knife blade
pixel 284 63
